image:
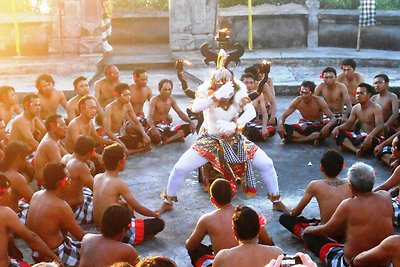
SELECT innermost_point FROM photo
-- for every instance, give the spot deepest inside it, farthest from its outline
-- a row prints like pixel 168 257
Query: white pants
pixel 191 160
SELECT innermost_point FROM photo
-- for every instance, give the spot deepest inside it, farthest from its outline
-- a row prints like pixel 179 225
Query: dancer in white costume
pixel 221 99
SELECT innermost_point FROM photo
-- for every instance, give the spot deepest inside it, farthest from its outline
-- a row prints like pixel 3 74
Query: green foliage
pixel 132 5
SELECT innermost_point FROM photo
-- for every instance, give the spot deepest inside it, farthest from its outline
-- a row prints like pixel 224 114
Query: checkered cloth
pixel 18 263
pixel 23 207
pixel 135 234
pixel 335 257
pixel 396 211
pixel 367 13
pixel 69 252
pixel 84 212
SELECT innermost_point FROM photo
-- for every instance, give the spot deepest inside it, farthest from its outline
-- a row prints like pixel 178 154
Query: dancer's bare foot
pixel 359 152
pixel 165 207
pixel 280 206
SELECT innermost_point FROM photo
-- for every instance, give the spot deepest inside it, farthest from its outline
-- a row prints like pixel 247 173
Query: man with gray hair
pixel 365 219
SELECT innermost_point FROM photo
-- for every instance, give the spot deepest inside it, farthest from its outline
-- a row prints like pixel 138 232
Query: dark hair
pixel 383 76
pixel 253 70
pixel 5 89
pixel 112 154
pixel 310 85
pixel 11 152
pixel 137 71
pixel 4 182
pixel 329 69
pixel 332 163
pixel 115 218
pixel 122 264
pixel 221 191
pixel 84 144
pixel 156 261
pixel 52 173
pixel 119 88
pixel 44 77
pixel 246 223
pixel 367 86
pixel 77 80
pixel 51 119
pixel 83 100
pixel 160 84
pixel 349 62
pixel 28 99
pixel 249 75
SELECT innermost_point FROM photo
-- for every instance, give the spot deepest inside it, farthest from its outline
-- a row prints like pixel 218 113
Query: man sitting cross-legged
pixel 114 224
pixel 246 227
pixel 107 190
pixel 370 118
pixel 350 77
pixel 312 108
pixel 161 131
pixel 366 219
pixel 217 224
pixel 15 155
pixel 115 121
pixel 50 217
pixel 329 192
pixel 79 193
pixel 10 223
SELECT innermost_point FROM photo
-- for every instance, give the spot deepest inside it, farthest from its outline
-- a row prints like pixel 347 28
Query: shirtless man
pixel 50 217
pixel 252 130
pixel 8 103
pixel 246 227
pixel 312 108
pixel 84 125
pixel 114 224
pixel 4 138
pixel 27 126
pixel 21 193
pixel 388 102
pixel 329 192
pixel 387 251
pixel 115 118
pixel 81 87
pixel 161 131
pixel 217 224
pixel 50 98
pixel 50 149
pixel 79 198
pixel 10 223
pixel 104 88
pixel 350 77
pixel 108 189
pixel 355 216
pixel 140 91
pixel 335 95
pixel 369 116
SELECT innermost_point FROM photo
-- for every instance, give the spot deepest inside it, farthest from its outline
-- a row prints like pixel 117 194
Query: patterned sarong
pixel 367 13
pixel 396 211
pixel 23 207
pixel 18 263
pixel 303 127
pixel 231 157
pixel 84 212
pixel 135 234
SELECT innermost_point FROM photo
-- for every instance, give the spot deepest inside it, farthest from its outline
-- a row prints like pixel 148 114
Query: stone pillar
pixel 313 9
pixel 81 27
pixel 191 23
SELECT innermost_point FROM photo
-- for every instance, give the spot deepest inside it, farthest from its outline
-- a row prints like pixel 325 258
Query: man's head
pixel 245 223
pixel 84 146
pixel 165 87
pixel 307 89
pixel 381 82
pixel 8 95
pixel 115 219
pixel 114 157
pixel 81 86
pixel 250 81
pixel 329 75
pixel 4 189
pixel 140 76
pixel 331 163
pixel 361 177
pixel 15 151
pixel 255 70
pixel 45 84
pixel 31 104
pixel 87 106
pixel 156 261
pixel 364 92
pixel 55 176
pixel 112 73
pixel 122 92
pixel 221 192
pixel 396 147
pixel 348 66
pixel 55 124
